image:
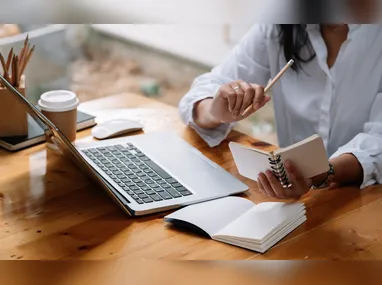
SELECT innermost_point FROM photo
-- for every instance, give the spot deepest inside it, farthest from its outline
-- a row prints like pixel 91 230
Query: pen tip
pixel 290 62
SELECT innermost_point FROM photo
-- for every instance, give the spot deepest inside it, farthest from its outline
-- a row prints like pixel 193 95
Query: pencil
pixel 25 62
pixel 4 67
pixel 273 81
pixel 16 81
pixel 9 58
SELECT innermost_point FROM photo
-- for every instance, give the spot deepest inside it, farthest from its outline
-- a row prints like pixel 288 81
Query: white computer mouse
pixel 115 127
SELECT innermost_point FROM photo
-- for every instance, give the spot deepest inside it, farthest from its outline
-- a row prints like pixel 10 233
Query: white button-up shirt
pixel 343 104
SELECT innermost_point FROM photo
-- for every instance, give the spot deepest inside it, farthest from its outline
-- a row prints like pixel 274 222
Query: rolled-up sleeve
pixel 367 146
pixel 248 61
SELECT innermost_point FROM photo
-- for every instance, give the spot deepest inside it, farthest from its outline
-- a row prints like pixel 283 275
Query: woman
pixel 334 89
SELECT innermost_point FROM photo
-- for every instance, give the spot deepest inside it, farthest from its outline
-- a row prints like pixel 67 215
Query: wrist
pixel 203 116
pixel 325 179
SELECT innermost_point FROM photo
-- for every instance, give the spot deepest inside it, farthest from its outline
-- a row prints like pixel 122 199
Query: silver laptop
pixel 144 173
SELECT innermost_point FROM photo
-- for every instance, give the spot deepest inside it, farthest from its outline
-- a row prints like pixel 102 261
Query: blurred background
pixel 155 60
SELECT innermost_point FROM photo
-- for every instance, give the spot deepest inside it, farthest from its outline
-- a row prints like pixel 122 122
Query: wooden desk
pixel 51 211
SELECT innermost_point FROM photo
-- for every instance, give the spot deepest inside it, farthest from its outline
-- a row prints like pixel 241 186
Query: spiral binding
pixel 278 169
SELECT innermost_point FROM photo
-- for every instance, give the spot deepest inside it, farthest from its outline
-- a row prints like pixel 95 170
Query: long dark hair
pixel 293 40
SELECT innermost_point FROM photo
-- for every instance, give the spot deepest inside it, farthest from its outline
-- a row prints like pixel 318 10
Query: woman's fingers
pixel 236 87
pixel 249 94
pixel 266 185
pixel 259 97
pixel 274 182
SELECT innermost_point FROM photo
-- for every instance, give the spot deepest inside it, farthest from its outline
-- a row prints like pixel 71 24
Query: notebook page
pixel 249 162
pixel 310 157
pixel 261 220
pixel 269 243
pixel 211 216
pixel 272 234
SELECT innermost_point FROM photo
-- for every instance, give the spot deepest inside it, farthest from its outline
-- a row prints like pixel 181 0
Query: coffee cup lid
pixel 58 101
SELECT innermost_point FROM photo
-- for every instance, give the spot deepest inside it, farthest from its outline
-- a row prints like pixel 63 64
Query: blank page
pixel 211 216
pixel 249 162
pixel 309 157
pixel 261 220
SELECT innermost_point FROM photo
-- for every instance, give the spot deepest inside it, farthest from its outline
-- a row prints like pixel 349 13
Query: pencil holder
pixel 13 116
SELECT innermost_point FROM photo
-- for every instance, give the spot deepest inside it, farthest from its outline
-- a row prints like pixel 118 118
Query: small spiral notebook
pixel 309 156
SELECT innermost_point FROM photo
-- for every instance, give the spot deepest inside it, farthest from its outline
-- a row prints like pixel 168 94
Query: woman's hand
pixel 270 185
pixel 234 98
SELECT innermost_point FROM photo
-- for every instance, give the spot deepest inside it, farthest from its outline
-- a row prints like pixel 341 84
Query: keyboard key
pixel 162 182
pixel 146 159
pixel 158 169
pixel 92 150
pixel 173 193
pixel 154 175
pixel 130 192
pixel 109 154
pixel 120 184
pixel 180 189
pixel 131 176
pixel 136 180
pixel 185 193
pixel 142 196
pixel 121 176
pixel 120 147
pixel 134 188
pixel 141 174
pixel 171 180
pixel 166 186
pixel 113 176
pixel 136 170
pixel 165 195
pixel 155 186
pixel 141 184
pixel 146 188
pixel 150 192
pixel 149 181
pixel 139 201
pixel 110 148
pixel 130 184
pixel 108 172
pixel 176 185
pixel 135 160
pixel 104 161
pixel 156 197
pixel 139 192
pixel 147 200
pixel 126 180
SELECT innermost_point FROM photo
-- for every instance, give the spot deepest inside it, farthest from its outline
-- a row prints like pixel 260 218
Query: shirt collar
pixel 352 28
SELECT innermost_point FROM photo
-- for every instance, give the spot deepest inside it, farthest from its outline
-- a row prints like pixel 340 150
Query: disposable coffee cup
pixel 60 107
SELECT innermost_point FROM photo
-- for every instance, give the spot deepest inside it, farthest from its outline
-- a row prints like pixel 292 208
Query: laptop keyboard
pixel 140 177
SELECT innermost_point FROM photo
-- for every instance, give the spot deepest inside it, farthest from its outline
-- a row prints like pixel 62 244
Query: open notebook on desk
pixel 240 222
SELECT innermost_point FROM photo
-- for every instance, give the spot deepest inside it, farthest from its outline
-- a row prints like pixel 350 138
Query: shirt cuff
pixel 213 137
pixel 366 162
